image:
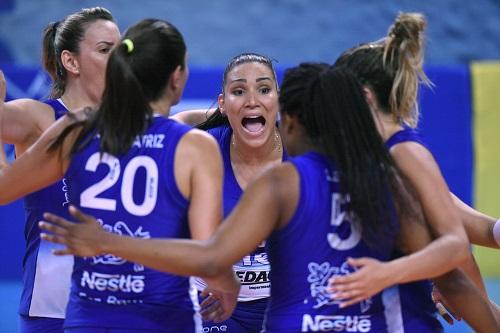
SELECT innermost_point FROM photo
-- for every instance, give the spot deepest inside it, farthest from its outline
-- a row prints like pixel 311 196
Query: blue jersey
pixel 418 309
pixel 312 248
pixel 46 278
pixel 135 195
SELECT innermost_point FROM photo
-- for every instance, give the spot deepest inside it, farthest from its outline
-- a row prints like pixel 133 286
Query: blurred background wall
pixel 460 115
pixel 288 30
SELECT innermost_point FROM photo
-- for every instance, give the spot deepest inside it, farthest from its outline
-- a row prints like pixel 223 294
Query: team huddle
pixel 314 206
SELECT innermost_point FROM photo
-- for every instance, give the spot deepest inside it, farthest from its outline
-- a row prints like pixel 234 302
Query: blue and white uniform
pixel 418 309
pixel 46 278
pixel 312 248
pixel 253 270
pixel 134 194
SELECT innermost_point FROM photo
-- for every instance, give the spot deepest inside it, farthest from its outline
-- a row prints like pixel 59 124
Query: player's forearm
pixel 176 256
pixel 479 226
pixel 440 256
pixel 470 268
pixel 193 117
pixel 460 293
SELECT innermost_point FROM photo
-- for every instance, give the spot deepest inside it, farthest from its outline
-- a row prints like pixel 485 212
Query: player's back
pixel 134 195
pixel 314 247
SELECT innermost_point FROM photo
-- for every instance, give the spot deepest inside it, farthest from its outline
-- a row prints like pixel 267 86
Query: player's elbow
pixel 461 250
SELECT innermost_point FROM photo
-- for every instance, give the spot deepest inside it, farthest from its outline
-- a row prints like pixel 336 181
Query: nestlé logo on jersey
pixel 322 323
pixel 113 282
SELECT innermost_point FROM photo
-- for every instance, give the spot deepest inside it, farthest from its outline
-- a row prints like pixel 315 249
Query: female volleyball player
pixel 75 53
pixel 244 125
pixel 143 175
pixel 390 70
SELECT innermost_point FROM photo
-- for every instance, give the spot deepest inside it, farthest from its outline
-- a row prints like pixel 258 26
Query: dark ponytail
pixel 330 104
pixel 124 112
pixel 216 119
pixel 49 60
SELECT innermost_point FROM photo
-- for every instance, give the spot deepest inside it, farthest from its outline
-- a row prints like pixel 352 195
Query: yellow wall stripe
pixel 486 109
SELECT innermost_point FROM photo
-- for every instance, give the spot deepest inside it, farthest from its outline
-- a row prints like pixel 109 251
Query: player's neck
pixel 386 124
pixel 74 99
pixel 161 106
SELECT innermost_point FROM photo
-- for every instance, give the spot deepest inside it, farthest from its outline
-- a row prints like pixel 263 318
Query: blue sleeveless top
pixel 46 278
pixel 418 309
pixel 253 269
pixel 314 247
pixel 135 195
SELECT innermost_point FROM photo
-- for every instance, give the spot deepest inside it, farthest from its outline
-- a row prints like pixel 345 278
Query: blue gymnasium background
pixel 463 51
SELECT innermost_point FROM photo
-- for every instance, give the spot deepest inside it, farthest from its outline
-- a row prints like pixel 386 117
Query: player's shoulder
pixel 32 108
pixel 195 135
pixel 410 151
pixel 281 178
pixel 198 144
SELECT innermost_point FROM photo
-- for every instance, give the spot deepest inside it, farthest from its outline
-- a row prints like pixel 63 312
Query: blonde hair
pixel 404 51
pixel 393 67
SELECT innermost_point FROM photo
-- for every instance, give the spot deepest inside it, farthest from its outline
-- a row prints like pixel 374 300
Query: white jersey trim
pixel 52 282
pixel 392 310
pixel 193 294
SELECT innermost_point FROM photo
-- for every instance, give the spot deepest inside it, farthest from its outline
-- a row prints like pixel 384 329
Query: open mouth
pixel 253 123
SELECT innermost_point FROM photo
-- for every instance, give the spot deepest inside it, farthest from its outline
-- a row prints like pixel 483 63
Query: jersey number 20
pixel 90 197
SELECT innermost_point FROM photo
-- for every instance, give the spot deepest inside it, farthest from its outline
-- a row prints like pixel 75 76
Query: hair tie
pixel 129 44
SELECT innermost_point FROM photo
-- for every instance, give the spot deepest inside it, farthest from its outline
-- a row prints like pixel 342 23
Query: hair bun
pixel 407 26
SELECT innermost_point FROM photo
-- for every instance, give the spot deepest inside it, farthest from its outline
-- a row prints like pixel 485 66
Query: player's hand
pixel 445 310
pixel 369 278
pixel 211 306
pixel 221 297
pixel 82 239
